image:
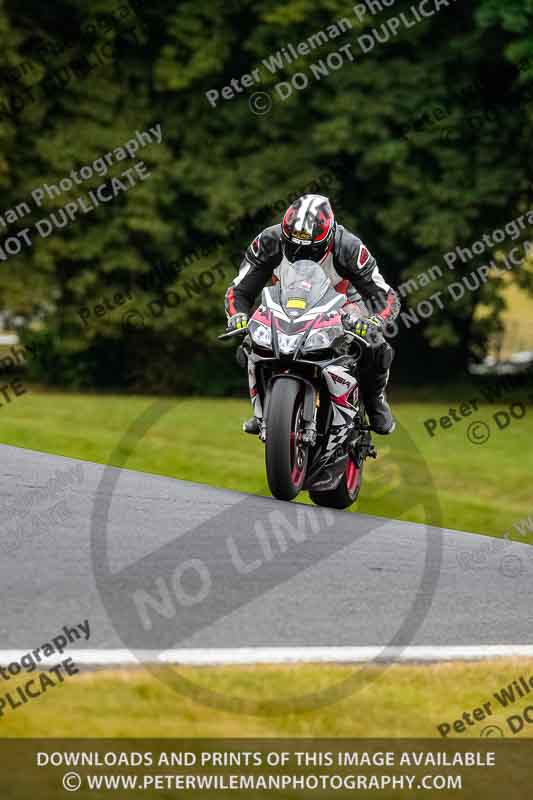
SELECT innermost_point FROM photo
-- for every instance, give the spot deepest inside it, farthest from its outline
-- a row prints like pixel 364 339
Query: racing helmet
pixel 308 228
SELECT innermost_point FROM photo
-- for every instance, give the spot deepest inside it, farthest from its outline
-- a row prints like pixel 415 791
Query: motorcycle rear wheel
pixel 285 456
pixel 346 492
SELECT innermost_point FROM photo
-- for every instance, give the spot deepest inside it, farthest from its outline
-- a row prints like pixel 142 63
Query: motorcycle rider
pixel 309 231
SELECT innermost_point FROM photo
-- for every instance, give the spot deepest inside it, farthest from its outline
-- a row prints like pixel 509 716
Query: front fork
pixel 310 407
pixel 343 394
pixel 254 394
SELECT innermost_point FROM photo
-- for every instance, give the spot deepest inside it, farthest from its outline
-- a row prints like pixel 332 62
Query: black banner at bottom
pixel 238 768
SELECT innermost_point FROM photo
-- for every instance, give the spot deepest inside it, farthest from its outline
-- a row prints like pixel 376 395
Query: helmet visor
pixel 313 252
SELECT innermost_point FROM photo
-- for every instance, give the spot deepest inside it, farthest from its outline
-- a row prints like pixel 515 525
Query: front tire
pixel 285 457
pixel 346 492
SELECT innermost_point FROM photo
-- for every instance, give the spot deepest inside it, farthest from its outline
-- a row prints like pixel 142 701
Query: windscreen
pixel 303 284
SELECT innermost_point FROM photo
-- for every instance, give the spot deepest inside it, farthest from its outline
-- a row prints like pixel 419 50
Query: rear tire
pixel 286 460
pixel 346 492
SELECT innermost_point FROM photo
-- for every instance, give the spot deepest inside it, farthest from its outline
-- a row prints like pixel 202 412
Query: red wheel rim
pixel 297 473
pixel 297 458
pixel 352 475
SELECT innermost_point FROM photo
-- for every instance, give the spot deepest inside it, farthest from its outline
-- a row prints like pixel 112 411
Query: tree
pixel 420 141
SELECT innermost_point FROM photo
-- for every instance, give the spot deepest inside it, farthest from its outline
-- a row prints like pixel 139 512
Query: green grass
pixel 480 488
pixel 399 701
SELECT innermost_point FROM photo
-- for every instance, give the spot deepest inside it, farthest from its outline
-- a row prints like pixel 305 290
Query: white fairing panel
pixel 341 386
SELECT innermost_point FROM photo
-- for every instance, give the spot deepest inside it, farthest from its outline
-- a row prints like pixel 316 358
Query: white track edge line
pixel 278 655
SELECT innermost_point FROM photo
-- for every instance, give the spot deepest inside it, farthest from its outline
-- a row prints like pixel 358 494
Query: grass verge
pixel 398 701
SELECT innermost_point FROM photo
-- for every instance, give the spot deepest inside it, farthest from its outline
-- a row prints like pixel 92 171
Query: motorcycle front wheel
pixel 285 455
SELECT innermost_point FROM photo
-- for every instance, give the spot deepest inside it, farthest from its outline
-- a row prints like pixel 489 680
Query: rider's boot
pixel 379 413
pixel 373 382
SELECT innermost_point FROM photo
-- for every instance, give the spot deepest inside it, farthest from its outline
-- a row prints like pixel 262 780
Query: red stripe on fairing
pixel 312 323
pixel 264 318
pixel 253 391
pixel 388 308
pixel 231 302
pixel 327 323
pixel 306 326
pixel 274 280
pixel 342 400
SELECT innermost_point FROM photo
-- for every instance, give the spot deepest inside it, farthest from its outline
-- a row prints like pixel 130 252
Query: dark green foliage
pixel 366 134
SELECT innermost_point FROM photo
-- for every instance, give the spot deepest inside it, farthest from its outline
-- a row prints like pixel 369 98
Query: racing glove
pixel 367 328
pixel 237 321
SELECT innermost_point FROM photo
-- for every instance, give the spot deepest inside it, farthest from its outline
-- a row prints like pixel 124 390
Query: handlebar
pixel 360 340
pixel 229 334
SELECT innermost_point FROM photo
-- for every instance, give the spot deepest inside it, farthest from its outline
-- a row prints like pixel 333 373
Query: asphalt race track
pixel 226 572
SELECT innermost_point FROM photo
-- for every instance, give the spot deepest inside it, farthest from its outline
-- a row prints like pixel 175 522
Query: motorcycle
pixel 302 368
